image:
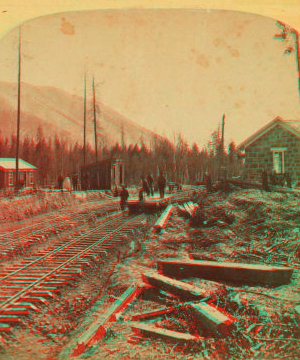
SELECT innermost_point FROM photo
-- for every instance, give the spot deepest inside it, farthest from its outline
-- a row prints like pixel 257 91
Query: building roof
pixel 10 164
pixel 292 126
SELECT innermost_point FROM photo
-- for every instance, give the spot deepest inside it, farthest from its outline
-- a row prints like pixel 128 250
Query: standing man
pixel 60 181
pixel 162 183
pixel 208 182
pixel 124 196
pixel 145 186
pixel 150 181
pixel 75 181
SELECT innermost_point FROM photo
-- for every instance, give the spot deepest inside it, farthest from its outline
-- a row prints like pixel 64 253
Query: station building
pixel 27 173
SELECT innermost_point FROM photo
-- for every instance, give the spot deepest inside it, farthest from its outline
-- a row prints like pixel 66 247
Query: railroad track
pixel 11 241
pixel 33 281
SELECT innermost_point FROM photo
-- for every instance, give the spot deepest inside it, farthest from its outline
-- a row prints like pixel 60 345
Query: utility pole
pixel 174 159
pixel 84 121
pixel 222 141
pixel 18 112
pixel 122 136
pixel 95 120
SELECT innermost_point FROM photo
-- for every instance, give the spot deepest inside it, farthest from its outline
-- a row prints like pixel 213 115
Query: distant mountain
pixel 61 113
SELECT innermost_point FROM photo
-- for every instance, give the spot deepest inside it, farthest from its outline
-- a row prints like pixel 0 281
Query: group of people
pixel 147 187
pixel 69 183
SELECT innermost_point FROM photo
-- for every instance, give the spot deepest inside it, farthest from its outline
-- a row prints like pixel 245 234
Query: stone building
pixel 274 148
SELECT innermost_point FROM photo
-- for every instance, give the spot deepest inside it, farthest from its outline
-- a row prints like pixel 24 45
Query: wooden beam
pixel 212 318
pixel 153 313
pixel 162 221
pixel 164 333
pixel 183 290
pixel 228 271
pixel 98 329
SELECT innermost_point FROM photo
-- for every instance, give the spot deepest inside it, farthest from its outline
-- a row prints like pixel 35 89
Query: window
pixel 278 160
pixel 10 178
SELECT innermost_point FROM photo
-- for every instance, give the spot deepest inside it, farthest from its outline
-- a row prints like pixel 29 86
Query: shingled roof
pixel 292 126
pixel 10 164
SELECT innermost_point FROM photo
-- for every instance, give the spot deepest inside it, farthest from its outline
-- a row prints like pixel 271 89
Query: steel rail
pixel 57 250
pixel 24 292
pixel 53 224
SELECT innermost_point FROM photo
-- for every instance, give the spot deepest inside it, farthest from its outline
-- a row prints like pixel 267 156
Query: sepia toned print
pixel 149 186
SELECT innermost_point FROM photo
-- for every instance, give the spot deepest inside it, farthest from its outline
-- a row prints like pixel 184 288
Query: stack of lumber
pixel 188 209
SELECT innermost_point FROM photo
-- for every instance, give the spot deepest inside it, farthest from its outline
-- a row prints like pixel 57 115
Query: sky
pixel 168 70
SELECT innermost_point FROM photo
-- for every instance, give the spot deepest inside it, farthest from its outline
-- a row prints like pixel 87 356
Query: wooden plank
pixel 228 271
pixel 164 333
pixel 183 211
pixel 188 210
pixel 212 318
pixel 176 287
pixel 153 313
pixel 99 328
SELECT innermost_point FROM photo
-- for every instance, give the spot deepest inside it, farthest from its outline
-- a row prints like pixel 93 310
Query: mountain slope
pixel 61 113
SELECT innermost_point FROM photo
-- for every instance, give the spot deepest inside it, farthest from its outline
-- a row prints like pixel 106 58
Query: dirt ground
pixel 257 228
pixel 265 230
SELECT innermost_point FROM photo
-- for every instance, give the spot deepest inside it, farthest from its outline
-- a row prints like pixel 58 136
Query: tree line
pixel 180 162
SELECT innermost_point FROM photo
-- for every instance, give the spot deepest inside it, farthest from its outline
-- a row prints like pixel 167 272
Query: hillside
pixel 61 113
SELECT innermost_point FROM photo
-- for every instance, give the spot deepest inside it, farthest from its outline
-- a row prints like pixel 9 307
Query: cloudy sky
pixel 168 70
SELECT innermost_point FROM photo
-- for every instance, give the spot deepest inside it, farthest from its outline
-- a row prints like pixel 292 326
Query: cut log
pixel 162 221
pixel 176 287
pixel 164 333
pixel 212 318
pixel 228 271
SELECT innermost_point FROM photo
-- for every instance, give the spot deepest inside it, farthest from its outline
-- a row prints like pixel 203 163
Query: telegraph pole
pixel 122 136
pixel 18 112
pixel 222 141
pixel 84 121
pixel 95 120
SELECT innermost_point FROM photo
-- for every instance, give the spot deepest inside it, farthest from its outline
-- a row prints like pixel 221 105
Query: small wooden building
pixel 274 148
pixel 27 173
pixel 103 175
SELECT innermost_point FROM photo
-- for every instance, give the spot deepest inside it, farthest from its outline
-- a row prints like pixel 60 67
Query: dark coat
pixel 150 180
pixel 124 194
pixel 162 182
